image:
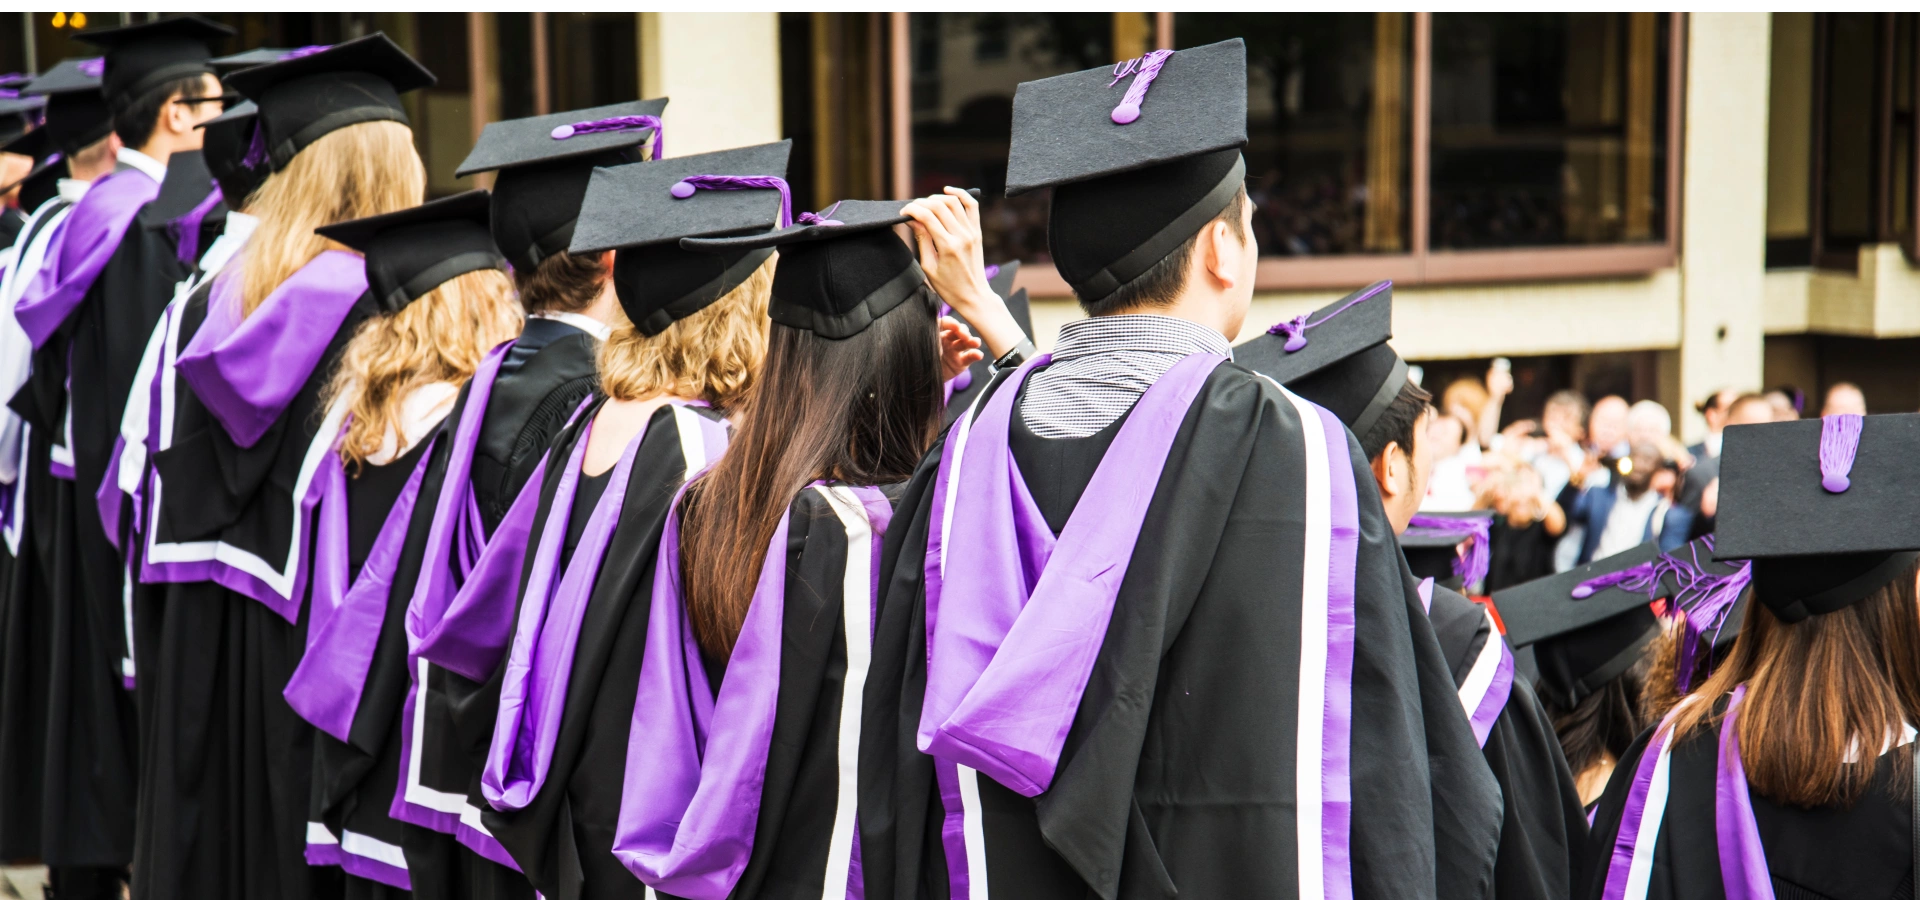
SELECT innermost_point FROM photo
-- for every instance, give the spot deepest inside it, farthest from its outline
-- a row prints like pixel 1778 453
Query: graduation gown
pixel 540 382
pixel 238 438
pixel 26 604
pixel 1177 767
pixel 742 782
pixel 560 821
pixel 88 318
pixel 1544 825
pixel 1682 848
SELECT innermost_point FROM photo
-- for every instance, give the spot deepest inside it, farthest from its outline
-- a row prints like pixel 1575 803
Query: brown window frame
pixel 1421 265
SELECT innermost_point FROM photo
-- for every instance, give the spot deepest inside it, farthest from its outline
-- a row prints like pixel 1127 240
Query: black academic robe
pixel 563 839
pixel 227 763
pixel 79 385
pixel 1159 786
pixel 26 636
pixel 1864 852
pixel 543 380
pixel 1544 825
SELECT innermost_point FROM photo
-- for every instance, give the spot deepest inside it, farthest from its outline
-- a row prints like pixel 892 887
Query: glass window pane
pixel 595 57
pixel 1328 99
pixel 1853 43
pixel 1548 129
pixel 964 69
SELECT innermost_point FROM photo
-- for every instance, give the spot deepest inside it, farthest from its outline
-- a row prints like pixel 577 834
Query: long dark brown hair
pixel 861 410
pixel 1818 690
pixel 1604 723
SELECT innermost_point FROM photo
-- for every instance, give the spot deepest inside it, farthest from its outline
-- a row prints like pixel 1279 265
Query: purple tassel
pixel 1839 441
pixel 257 150
pixel 93 68
pixel 822 217
pixel 617 123
pixel 688 186
pixel 1296 328
pixel 1473 566
pixel 51 159
pixel 1144 70
pixel 308 50
pixel 1700 604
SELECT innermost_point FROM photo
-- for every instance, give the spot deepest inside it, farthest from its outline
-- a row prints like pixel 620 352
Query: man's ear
pixel 1386 470
pixel 1215 245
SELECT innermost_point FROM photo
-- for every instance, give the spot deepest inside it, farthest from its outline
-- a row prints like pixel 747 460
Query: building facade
pixel 1651 204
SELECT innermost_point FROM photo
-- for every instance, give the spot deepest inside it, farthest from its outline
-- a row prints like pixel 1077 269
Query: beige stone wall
pixel 722 72
pixel 1880 299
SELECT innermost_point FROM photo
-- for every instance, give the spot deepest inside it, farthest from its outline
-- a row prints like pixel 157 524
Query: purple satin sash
pixel 78 253
pixel 1743 858
pixel 246 371
pixel 1484 709
pixel 696 763
pixel 344 621
pixel 471 635
pixel 106 498
pixel 539 665
pixel 1005 675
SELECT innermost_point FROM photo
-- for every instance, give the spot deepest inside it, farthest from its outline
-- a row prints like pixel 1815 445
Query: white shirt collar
pixel 600 330
pixel 153 168
pixel 72 189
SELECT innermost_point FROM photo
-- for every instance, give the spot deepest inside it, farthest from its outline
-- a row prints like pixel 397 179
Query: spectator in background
pixel 1629 512
pixel 1649 423
pixel 1714 410
pixel 1700 491
pixel 1456 461
pixel 1607 428
pixel 1787 402
pixel 1844 398
pixel 1527 523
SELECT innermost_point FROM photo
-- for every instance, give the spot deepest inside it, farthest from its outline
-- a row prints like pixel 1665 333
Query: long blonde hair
pixel 712 355
pixel 350 173
pixel 439 338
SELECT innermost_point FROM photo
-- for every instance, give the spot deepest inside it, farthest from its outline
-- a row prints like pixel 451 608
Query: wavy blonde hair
pixel 713 355
pixel 350 173
pixel 439 338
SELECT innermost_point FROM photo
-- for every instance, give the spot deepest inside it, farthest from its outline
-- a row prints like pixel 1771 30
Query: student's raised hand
pixel 958 349
pixel 946 228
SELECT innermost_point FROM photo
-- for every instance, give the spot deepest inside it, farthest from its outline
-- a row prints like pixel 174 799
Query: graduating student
pixel 1338 357
pixel 506 419
pixel 1225 685
pixel 75 145
pixel 443 301
pixel 235 456
pixel 1591 642
pixel 18 115
pixel 559 679
pixel 740 775
pixel 1790 772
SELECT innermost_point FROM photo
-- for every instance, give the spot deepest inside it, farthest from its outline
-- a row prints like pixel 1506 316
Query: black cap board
pixel 978 374
pixel 1824 508
pixel 228 138
pixel 18 114
pixel 76 115
pixel 842 219
pixel 146 55
pixel 531 141
pixel 1125 196
pixel 1580 644
pixel 633 209
pixel 258 56
pixel 304 98
pixel 1339 357
pixel 413 251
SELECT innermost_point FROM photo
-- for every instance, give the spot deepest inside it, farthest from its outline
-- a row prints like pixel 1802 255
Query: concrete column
pixel 1723 208
pixel 722 72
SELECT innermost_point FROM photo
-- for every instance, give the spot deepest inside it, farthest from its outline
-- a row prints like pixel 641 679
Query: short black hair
pixel 1160 285
pixel 1396 424
pixel 135 121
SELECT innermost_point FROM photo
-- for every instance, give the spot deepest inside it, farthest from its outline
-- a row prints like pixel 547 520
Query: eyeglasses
pixel 196 101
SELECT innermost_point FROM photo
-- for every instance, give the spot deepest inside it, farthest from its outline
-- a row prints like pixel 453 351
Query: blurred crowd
pixel 1580 481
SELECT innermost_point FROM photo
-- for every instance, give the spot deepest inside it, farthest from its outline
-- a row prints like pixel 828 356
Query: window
pixel 833 102
pixel 1864 88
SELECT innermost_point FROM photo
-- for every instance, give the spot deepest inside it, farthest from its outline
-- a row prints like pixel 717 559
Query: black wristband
pixel 1020 353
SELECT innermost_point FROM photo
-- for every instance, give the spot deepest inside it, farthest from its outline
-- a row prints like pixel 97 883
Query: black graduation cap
pixel 258 56
pixel 543 180
pixel 840 268
pixel 18 114
pixel 1580 644
pixel 144 56
pixel 43 181
pixel 1337 356
pixel 413 251
pixel 632 208
pixel 228 138
pixel 1432 551
pixel 1127 195
pixel 76 115
pixel 1824 508
pixel 306 97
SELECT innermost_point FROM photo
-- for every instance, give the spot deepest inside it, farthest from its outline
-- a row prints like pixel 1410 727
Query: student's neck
pixel 159 150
